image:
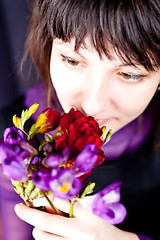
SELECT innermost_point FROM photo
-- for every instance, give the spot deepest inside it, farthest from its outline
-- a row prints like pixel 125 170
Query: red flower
pixel 68 118
pixel 73 116
pixel 79 131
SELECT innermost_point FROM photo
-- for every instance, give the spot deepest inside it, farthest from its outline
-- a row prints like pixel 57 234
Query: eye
pixel 72 62
pixel 125 75
pixel 131 77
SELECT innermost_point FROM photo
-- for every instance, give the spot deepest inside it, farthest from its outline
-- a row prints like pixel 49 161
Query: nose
pixel 95 96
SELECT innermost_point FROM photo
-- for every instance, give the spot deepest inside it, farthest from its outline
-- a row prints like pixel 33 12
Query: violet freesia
pixel 13 164
pixel 85 160
pixel 36 161
pixel 16 148
pixel 106 204
pixel 48 147
pixel 64 183
pixel 57 160
pixel 52 160
pixel 41 179
pixel 19 151
pixel 13 135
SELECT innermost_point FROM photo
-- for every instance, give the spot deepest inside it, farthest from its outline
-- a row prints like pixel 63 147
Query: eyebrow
pixel 70 47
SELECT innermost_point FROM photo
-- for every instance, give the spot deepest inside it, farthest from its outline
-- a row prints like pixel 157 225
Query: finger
pixel 51 223
pixel 41 235
pixel 42 201
pixel 61 205
pixel 38 202
pixel 78 210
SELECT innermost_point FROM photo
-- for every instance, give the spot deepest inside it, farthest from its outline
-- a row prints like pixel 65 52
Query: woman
pixel 103 58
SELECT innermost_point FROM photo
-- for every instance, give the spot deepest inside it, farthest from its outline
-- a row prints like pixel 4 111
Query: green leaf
pixel 88 189
pixel 29 187
pixel 26 114
pixel 24 118
pixel 36 193
pixel 18 188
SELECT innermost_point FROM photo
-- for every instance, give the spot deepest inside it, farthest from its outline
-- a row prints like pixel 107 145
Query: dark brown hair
pixel 132 28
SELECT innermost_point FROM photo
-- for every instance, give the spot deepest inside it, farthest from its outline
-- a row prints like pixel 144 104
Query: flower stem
pixel 71 208
pixel 51 204
pixel 25 132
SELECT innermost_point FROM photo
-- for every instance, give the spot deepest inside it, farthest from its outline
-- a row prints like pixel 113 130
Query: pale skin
pixel 115 94
pixel 84 225
pixel 110 91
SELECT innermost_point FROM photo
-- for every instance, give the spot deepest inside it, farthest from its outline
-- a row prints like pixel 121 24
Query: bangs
pixel 132 28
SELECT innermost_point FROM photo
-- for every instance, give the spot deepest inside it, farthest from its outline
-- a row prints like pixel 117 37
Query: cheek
pixel 134 105
pixel 66 85
pixel 60 78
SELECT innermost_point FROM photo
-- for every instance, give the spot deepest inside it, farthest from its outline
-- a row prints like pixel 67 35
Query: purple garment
pixel 128 138
pixel 142 237
pixel 33 95
pixel 12 227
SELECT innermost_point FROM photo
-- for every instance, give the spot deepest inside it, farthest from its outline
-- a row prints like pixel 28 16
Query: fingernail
pixel 17 208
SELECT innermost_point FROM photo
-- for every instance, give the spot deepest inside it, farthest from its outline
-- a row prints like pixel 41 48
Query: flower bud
pixel 27 191
pixel 28 147
pixel 13 135
pixel 48 120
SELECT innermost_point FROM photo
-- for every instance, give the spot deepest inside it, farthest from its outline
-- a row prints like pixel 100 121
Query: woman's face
pixel 109 90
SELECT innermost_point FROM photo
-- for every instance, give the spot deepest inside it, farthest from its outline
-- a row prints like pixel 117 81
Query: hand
pixel 83 226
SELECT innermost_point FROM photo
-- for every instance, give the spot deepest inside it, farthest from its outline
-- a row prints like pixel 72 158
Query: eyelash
pixel 70 61
pixel 132 77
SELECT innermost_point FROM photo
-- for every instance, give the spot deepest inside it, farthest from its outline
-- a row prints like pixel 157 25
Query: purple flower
pixel 106 204
pixel 54 160
pixel 13 135
pixel 19 151
pixel 64 184
pixel 36 161
pixel 13 164
pixel 85 161
pixel 41 180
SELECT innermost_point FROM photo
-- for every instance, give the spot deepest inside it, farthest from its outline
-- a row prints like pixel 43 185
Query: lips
pixel 102 122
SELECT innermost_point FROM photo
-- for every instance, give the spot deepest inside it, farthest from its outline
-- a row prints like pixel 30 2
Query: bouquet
pixel 57 155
